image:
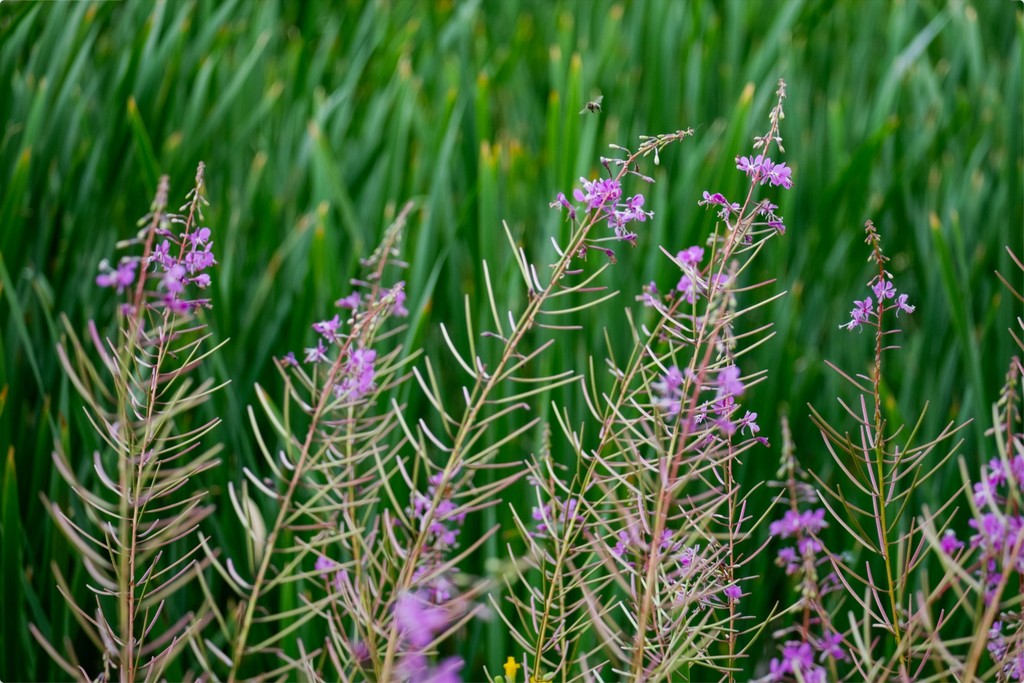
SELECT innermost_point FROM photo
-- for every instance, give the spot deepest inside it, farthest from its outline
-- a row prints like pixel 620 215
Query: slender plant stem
pixel 878 447
pixel 284 507
pixel 483 387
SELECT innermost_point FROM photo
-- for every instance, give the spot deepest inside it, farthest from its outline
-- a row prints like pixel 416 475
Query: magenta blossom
pixel 120 278
pixel 729 382
pixel 418 621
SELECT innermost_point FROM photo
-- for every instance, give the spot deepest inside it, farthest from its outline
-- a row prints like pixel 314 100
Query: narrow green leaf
pixel 144 146
pixel 13 631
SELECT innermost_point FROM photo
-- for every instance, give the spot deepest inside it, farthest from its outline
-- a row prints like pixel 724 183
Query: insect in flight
pixel 593 106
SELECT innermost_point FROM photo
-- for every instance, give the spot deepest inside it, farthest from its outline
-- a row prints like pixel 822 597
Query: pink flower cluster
pixel 180 260
pixel 603 195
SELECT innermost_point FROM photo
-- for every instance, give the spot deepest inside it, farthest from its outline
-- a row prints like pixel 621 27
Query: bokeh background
pixel 317 120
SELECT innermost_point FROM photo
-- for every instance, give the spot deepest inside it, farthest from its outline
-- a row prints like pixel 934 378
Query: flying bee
pixel 593 106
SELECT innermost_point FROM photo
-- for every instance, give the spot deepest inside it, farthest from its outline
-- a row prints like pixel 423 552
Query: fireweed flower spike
pixel 332 502
pixel 670 540
pixel 602 200
pixel 813 651
pixel 182 258
pixel 866 311
pixel 602 197
pixel 998 525
pixel 144 396
pixel 900 625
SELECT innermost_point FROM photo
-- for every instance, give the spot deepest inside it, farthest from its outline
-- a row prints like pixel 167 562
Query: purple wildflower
pixel 200 237
pixel 177 260
pixel 796 657
pixel 864 311
pixel 725 406
pixel 830 648
pixel 950 544
pixel 561 201
pixel 361 366
pixel 804 525
pixel 718 280
pixel 649 295
pixel 324 565
pixel 443 523
pixel 794 522
pixel 861 313
pixel 621 545
pixel 398 292
pixel 360 373
pixel 196 261
pixel 668 543
pixel 690 256
pixel 161 255
pixel 902 305
pixel 418 621
pixel 788 526
pixel 718 200
pixel 351 301
pixel 317 354
pixel 633 208
pixel 120 278
pixel 328 329
pixel 814 520
pixel 173 281
pixel 689 287
pixel 173 304
pixel 753 167
pixel 361 651
pixel 808 546
pixel 603 195
pixel 688 558
pixel 883 289
pixel 1011 663
pixel 1017 470
pixel 598 193
pixel 729 382
pixel 761 169
pixel 668 391
pixel 412 666
pixel 726 426
pixel 766 209
pixel 788 558
pixel 175 272
pixel 996 472
pixel 984 493
pixel 445 672
pixel 554 518
pixel 748 421
pixel 780 175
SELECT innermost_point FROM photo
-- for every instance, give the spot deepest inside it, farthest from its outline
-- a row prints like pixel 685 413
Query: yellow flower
pixel 511 667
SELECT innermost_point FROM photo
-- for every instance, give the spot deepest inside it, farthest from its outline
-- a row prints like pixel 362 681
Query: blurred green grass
pixel 317 120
